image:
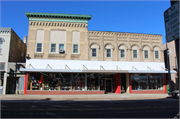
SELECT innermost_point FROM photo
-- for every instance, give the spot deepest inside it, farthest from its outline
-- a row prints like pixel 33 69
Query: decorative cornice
pixel 58 24
pixel 54 17
pixel 119 34
pixel 5 30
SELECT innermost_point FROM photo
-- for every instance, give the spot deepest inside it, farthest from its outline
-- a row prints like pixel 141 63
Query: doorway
pixel 123 83
pixel 109 85
pixel 106 84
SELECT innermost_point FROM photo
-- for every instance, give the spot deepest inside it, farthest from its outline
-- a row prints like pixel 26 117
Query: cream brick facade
pixel 94 39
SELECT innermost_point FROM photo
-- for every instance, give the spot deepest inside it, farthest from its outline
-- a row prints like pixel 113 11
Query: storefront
pixel 91 81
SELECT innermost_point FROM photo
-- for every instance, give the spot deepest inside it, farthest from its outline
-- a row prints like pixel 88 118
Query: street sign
pixel 171 18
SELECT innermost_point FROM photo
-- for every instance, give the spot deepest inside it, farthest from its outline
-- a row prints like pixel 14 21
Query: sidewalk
pixel 112 96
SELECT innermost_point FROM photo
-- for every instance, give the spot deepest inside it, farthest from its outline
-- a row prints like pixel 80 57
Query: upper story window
pixel 75 48
pixel 146 50
pixel 157 54
pixel 61 46
pixel 94 50
pixel 122 53
pixel 57 41
pixel 39 40
pixel 135 49
pixel 0 48
pixel 94 54
pixel 53 47
pixel 76 41
pixel 134 53
pixel 39 47
pixel 145 53
pixel 1 42
pixel 108 52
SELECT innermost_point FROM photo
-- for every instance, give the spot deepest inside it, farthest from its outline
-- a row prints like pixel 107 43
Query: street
pixel 157 108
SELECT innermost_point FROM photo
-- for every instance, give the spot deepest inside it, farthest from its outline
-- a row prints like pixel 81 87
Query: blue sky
pixel 119 16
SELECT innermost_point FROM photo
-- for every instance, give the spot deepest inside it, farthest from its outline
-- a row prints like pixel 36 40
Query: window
pixel 93 52
pixel 75 48
pixel 146 54
pixel 57 81
pixel 122 53
pixel 0 48
pixel 53 47
pixel 144 82
pixel 61 46
pixel 1 42
pixel 134 53
pixel 39 47
pixel 92 82
pixel 108 52
pixel 156 54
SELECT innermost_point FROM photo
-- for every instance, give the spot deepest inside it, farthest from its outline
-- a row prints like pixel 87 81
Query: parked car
pixel 175 93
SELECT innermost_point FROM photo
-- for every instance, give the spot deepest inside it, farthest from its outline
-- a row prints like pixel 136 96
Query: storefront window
pixel 143 82
pixel 92 81
pixel 135 82
pixel 156 81
pixel 56 81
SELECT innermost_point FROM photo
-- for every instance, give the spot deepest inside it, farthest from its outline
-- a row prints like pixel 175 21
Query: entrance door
pixel 123 83
pixel 108 85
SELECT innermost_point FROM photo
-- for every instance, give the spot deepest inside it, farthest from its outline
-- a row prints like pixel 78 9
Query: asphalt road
pixel 90 109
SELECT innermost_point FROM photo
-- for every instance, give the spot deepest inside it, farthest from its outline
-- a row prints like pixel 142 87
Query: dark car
pixel 175 93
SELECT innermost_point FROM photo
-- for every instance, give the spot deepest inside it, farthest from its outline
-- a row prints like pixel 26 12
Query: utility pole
pixel 168 67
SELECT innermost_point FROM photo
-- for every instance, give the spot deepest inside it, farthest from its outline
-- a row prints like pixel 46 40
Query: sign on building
pixel 171 18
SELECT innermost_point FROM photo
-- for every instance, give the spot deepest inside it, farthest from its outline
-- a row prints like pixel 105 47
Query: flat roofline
pixel 57 14
pixel 125 32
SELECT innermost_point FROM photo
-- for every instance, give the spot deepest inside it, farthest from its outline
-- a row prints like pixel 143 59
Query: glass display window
pixel 147 82
pixel 92 81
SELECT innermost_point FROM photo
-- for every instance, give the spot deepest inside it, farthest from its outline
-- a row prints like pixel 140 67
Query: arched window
pixel 108 49
pixel 122 50
pixel 1 42
pixel 134 52
pixel 146 52
pixel 94 50
pixel 156 53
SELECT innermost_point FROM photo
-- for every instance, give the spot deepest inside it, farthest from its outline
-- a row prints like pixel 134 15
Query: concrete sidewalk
pixel 112 96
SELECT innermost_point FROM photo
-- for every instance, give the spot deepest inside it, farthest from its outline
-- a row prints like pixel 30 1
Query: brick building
pixel 66 58
pixel 12 57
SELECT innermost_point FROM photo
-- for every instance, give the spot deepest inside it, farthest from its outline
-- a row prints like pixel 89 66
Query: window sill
pixel 75 55
pixel 94 57
pixel 38 54
pixel 57 55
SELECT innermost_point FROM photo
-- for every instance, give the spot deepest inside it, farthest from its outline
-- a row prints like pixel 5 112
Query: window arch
pixel 135 51
pixel 146 51
pixel 122 51
pixel 94 47
pixel 108 50
pixel 156 52
pixel 1 42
